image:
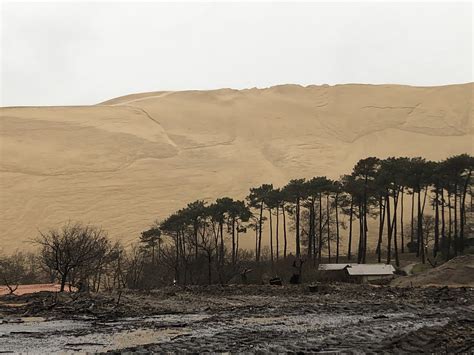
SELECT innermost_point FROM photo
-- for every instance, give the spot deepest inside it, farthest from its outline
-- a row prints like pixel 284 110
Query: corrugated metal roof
pixel 370 269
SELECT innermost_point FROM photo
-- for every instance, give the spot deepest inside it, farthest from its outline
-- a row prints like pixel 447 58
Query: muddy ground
pixel 334 318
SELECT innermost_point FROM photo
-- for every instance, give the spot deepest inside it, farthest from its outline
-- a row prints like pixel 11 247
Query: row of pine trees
pixel 315 211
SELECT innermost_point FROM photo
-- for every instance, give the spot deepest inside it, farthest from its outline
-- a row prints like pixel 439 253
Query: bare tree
pixel 12 271
pixel 73 251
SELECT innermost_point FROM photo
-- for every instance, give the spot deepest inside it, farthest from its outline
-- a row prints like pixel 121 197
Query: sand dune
pixel 125 162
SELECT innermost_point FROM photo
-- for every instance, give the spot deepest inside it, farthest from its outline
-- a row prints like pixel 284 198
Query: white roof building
pixel 370 269
pixel 357 272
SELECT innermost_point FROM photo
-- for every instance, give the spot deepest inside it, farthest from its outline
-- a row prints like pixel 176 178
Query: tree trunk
pixel 337 229
pixel 297 228
pixel 310 233
pixel 320 241
pixel 328 227
pixel 366 232
pixel 402 234
pixel 366 210
pixel 456 241
pixel 450 226
pixel 221 227
pixel 277 232
pixel 177 257
pixel 394 226
pixel 233 241
pixel 381 225
pixel 463 211
pixel 389 229
pixel 256 242
pixel 420 229
pixel 237 246
pixel 271 236
pixel 443 223
pixel 351 213
pixel 196 250
pixel 284 233
pixel 361 233
pixel 412 225
pixel 436 226
pixel 63 281
pixel 260 222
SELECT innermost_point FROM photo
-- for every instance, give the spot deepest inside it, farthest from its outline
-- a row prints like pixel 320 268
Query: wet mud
pixel 333 319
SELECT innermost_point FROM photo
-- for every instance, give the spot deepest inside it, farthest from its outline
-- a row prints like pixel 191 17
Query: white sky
pixel 82 53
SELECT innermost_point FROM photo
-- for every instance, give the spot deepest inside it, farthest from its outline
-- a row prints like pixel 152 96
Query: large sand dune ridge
pixel 123 163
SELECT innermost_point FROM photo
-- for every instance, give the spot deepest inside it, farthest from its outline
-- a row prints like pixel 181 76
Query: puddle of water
pixel 32 319
pixel 36 334
pixel 12 304
pixel 143 336
pixel 262 320
pixel 39 326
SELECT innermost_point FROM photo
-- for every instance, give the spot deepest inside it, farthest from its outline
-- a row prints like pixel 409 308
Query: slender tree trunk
pixel 320 246
pixel 260 227
pixel 389 229
pixel 394 226
pixel 412 225
pixel 271 236
pixel 196 248
pixel 351 213
pixel 443 224
pixel 328 227
pixel 436 226
pixel 183 257
pixel 221 226
pixel 233 241
pixel 450 226
pixel 366 210
pixel 277 232
pixel 420 229
pixel 456 239
pixel 366 232
pixel 310 233
pixel 177 246
pixel 315 246
pixel 417 227
pixel 256 242
pixel 284 233
pixel 402 228
pixel 237 247
pixel 361 233
pixel 381 224
pixel 297 227
pixel 337 228
pixel 159 249
pixel 463 211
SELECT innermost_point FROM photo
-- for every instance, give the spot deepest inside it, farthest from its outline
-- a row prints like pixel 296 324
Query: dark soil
pixel 337 318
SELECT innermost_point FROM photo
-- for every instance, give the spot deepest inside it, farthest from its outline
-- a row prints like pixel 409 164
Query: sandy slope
pixel 458 272
pixel 127 161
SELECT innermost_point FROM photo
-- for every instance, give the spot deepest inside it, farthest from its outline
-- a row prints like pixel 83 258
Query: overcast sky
pixel 83 53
